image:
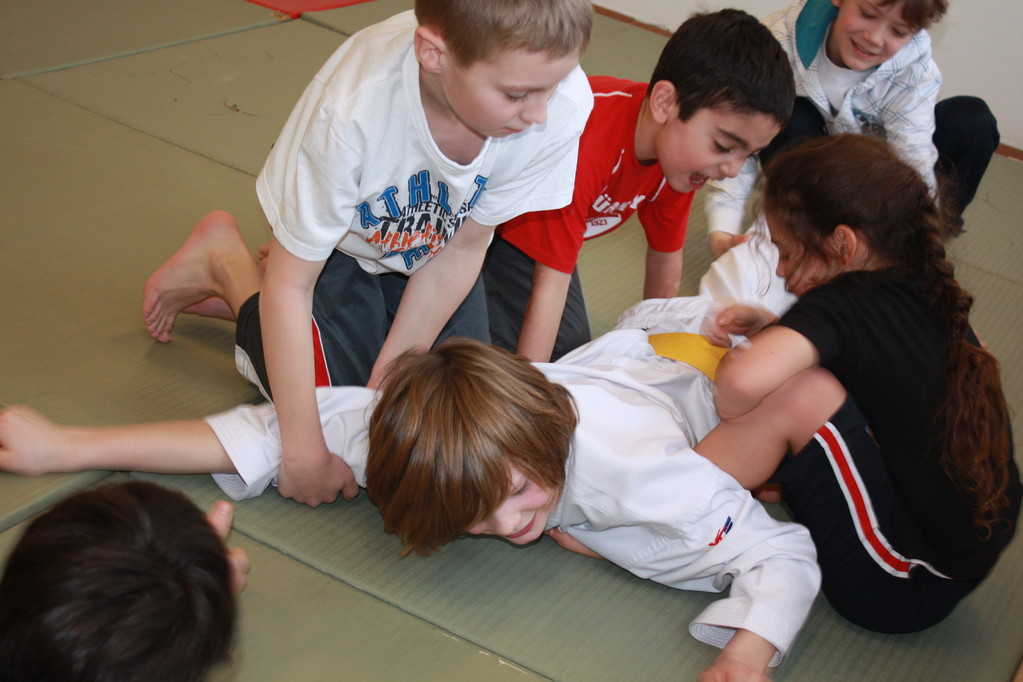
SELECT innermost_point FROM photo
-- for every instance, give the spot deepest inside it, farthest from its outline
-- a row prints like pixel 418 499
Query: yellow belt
pixel 692 349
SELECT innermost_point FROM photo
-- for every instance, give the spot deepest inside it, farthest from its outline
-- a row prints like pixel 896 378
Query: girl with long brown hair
pixel 910 489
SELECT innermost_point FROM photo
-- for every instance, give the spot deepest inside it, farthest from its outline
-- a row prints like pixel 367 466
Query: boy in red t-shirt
pixel 721 91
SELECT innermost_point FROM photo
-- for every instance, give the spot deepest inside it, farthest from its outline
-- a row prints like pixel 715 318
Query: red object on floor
pixel 294 8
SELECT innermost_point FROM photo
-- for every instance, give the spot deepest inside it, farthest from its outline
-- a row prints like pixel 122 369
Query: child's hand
pixel 30 444
pixel 720 242
pixel 744 659
pixel 221 517
pixel 316 480
pixel 738 319
pixel 568 542
pixel 730 671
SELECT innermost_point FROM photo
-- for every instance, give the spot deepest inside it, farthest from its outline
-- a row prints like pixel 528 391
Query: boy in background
pixel 416 138
pixel 126 581
pixel 722 88
pixel 865 66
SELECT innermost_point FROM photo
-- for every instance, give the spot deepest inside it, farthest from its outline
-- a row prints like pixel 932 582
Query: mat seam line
pixel 387 602
pixel 125 125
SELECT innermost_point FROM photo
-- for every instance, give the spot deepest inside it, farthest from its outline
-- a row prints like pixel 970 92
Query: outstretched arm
pixel 30 445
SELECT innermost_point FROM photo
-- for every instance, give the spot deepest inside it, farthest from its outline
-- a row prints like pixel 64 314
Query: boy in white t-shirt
pixel 415 139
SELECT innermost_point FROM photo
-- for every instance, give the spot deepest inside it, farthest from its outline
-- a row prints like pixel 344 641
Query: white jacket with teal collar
pixel 895 102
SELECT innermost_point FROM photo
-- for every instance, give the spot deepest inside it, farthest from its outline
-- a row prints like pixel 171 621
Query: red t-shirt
pixel 610 185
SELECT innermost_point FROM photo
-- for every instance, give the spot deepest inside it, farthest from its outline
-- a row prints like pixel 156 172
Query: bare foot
pixel 29 442
pixel 190 276
pixel 214 306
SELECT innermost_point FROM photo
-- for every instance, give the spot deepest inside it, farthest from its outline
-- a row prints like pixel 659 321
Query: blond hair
pixel 476 30
pixel 446 429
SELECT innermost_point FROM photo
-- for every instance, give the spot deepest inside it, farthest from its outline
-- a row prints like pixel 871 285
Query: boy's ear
pixel 430 49
pixel 663 101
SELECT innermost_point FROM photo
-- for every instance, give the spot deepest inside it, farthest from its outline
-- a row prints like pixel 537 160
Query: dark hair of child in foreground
pixel 122 582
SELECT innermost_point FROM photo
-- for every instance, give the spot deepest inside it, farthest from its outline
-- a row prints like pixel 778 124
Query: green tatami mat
pixel 559 614
pixel 621 50
pixel 298 624
pixel 574 618
pixel 21 497
pixel 993 240
pixel 90 209
pixel 225 98
pixel 110 166
pixel 356 17
pixel 53 34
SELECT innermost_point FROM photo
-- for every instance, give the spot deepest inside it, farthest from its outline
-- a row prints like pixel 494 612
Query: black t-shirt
pixel 875 332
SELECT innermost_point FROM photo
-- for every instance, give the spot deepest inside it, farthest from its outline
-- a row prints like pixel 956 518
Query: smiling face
pixel 711 145
pixel 866 33
pixel 522 517
pixel 505 94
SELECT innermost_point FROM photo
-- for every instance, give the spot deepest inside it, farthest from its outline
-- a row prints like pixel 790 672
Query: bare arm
pixel 749 373
pixel 663 274
pixel 309 472
pixel 31 444
pixel 544 309
pixel 433 294
pixel 720 242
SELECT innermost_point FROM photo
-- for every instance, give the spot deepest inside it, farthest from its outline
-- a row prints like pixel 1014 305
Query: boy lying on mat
pixel 596 451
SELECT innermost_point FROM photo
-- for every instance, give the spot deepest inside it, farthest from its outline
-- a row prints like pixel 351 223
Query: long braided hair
pixel 860 182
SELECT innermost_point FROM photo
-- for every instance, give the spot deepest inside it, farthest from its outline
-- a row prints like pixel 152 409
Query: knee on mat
pixel 893 606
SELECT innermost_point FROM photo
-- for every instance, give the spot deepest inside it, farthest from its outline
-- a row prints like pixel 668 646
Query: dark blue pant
pixel 353 311
pixel 854 580
pixel 508 276
pixel 965 135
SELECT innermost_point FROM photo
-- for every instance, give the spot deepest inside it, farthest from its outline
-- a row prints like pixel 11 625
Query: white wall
pixel 976 44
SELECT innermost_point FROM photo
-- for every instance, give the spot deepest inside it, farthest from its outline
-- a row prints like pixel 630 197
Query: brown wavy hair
pixel 446 428
pixel 860 181
pixel 920 13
